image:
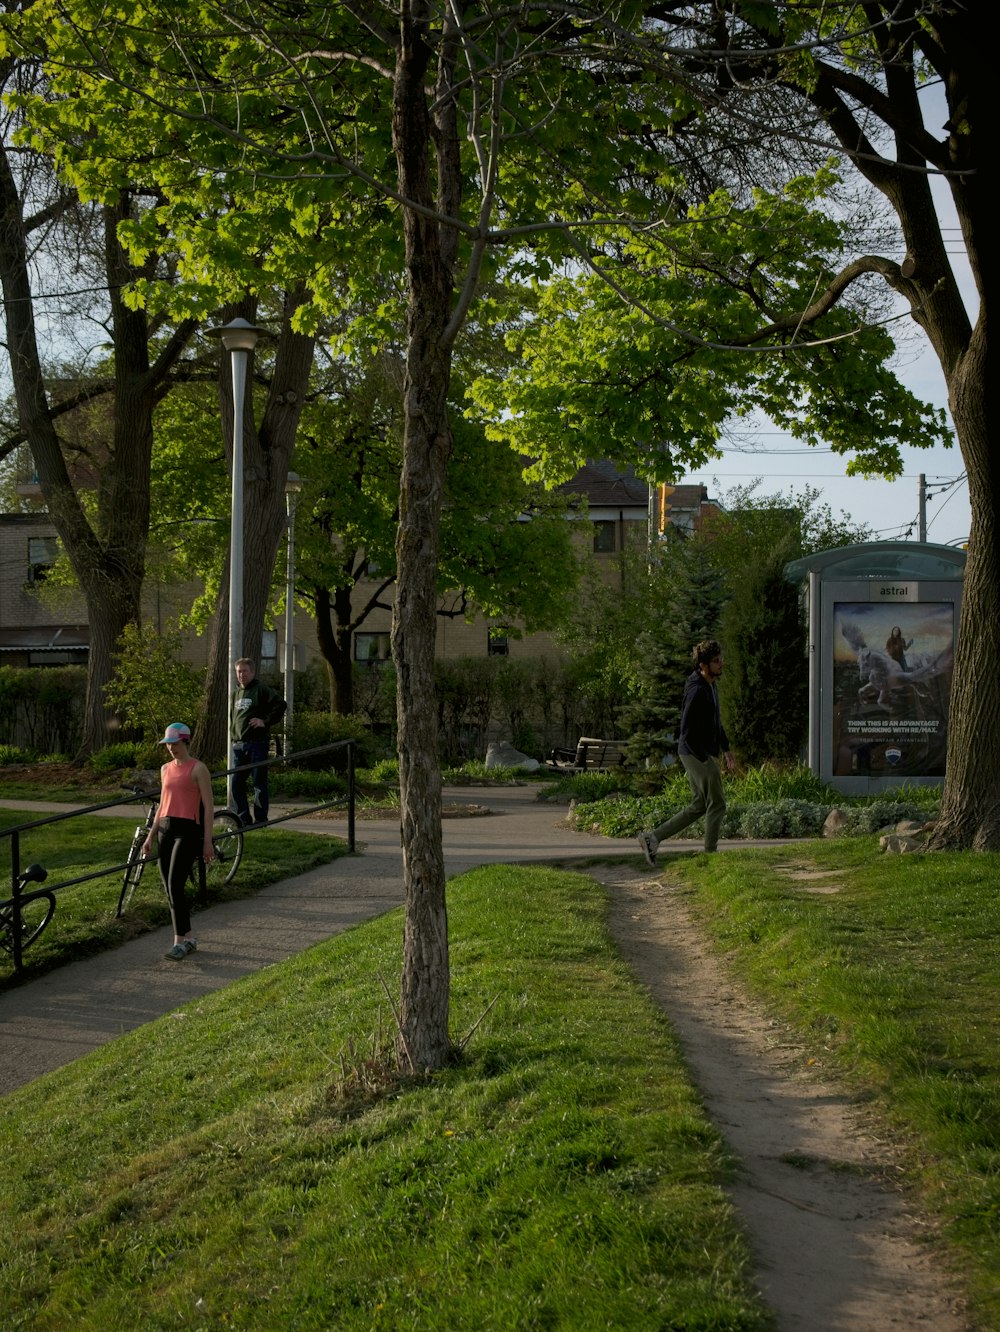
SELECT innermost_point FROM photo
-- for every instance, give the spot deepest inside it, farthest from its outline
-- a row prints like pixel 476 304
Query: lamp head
pixel 237 335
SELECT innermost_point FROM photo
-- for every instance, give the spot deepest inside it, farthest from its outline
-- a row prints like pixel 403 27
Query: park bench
pixel 590 755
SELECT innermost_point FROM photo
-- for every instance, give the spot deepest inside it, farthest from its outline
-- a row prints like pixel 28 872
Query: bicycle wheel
pixel 35 915
pixel 133 871
pixel 227 838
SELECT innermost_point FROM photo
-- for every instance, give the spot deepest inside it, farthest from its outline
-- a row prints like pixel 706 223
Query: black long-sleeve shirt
pixel 702 732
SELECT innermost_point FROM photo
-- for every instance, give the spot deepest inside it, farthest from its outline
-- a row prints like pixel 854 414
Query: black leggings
pixel 179 842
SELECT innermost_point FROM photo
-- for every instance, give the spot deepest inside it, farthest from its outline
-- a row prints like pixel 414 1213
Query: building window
pixel 604 537
pixel 268 664
pixel 371 649
pixel 497 644
pixel 42 555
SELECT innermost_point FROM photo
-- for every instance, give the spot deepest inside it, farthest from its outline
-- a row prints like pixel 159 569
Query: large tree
pixel 902 91
pixel 100 506
pixel 423 137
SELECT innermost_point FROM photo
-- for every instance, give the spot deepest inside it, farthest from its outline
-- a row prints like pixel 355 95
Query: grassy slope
pixel 198 1172
pixel 895 980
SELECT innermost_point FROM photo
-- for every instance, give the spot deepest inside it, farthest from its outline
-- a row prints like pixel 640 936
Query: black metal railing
pixel 19 898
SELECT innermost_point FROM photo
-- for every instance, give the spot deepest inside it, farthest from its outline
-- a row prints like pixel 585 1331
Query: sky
pixel 890 508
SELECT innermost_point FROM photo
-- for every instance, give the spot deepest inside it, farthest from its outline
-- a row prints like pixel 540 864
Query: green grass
pixel 85 922
pixel 895 982
pixel 199 1173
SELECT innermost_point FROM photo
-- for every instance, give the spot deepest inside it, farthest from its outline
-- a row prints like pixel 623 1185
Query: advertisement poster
pixel 892 669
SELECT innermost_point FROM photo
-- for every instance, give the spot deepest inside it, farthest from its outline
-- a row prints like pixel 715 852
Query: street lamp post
pixel 239 337
pixel 292 488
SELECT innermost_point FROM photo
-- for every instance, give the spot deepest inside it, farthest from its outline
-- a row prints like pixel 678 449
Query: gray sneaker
pixel 181 950
pixel 647 845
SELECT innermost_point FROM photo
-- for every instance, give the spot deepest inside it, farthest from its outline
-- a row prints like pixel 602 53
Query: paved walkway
pixel 74 1009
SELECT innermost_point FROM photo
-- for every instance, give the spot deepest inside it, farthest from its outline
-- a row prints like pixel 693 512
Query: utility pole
pixel 922 509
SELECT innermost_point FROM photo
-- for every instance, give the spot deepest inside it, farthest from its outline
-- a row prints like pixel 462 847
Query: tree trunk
pixel 107 553
pixel 424 994
pixel 334 637
pixel 970 810
pixel 970 814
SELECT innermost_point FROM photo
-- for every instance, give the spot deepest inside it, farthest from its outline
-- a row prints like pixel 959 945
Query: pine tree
pixel 765 697
pixel 693 608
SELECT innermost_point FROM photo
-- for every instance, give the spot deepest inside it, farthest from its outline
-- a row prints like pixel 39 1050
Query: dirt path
pixel 837 1249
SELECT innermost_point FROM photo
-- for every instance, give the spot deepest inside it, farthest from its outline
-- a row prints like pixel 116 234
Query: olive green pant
pixel 708 799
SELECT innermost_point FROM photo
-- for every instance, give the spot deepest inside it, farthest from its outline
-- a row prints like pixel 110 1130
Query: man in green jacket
pixel 256 708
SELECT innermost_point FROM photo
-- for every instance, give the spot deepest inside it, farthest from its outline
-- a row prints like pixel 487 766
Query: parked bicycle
pixel 227 839
pixel 35 913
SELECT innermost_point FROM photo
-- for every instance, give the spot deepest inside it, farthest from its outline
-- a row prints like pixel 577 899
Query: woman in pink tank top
pixel 183 830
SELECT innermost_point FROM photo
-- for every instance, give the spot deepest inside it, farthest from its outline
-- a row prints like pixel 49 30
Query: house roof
pixel 606 486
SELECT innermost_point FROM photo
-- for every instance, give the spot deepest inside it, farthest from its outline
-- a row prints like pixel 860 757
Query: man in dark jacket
pixel 256 708
pixel 702 739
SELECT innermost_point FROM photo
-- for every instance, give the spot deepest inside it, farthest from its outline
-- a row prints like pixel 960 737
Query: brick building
pixel 621 511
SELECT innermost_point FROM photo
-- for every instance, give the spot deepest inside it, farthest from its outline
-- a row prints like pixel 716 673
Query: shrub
pixel 42 710
pixel 477 770
pixel 879 814
pixel 587 787
pixel 383 773
pixel 310 730
pixel 305 784
pixel 803 818
pixel 758 821
pixel 151 687
pixel 112 757
pixel 772 781
pixel 625 816
pixel 14 754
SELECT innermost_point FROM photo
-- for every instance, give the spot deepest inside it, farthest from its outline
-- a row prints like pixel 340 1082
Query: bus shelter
pixel 883 620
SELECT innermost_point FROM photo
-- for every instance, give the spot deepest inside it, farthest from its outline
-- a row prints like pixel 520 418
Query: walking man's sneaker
pixel 647 845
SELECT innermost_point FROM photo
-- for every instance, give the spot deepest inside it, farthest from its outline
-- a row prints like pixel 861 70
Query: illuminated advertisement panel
pixel 892 670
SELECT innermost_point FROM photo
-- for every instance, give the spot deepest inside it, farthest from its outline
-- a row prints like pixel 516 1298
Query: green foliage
pixel 750 522
pixel 151 687
pixel 475 770
pixel 14 754
pixel 766 693
pixel 297 783
pixel 521 700
pixel 783 817
pixel 878 814
pixel 584 787
pixel 41 710
pixel 112 757
pixel 374 690
pixel 769 781
pixel 679 602
pixel 764 802
pixel 600 376
pixel 312 730
pixel 383 773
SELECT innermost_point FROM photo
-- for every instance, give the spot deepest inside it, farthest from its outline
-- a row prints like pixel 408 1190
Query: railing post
pixel 15 893
pixel 350 796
